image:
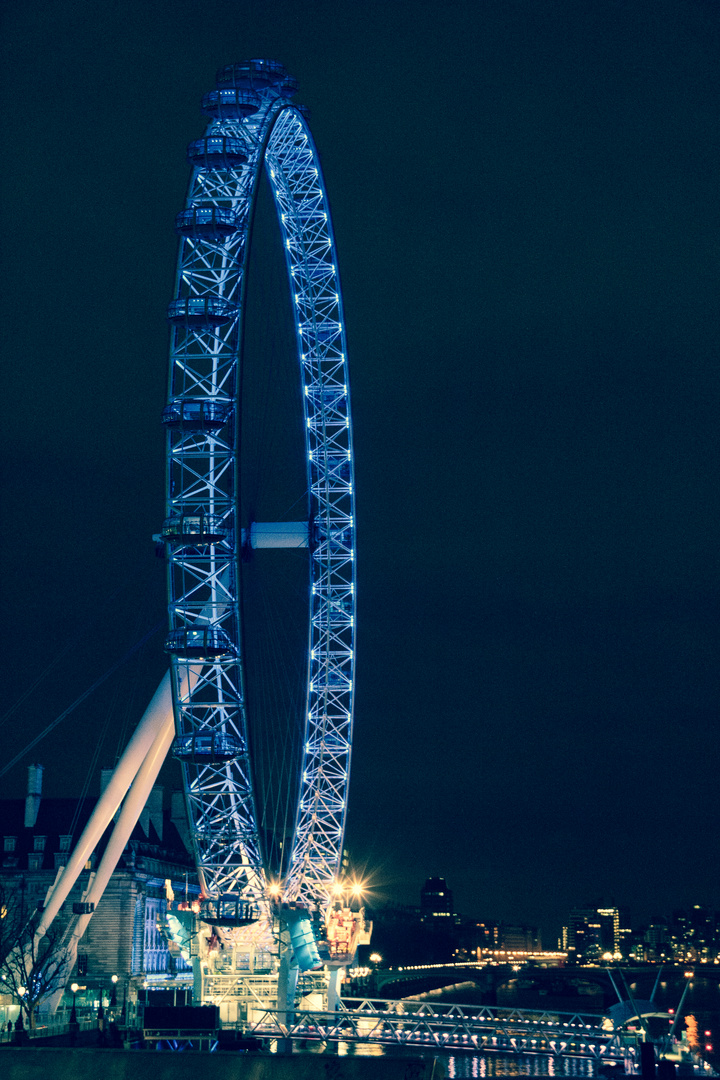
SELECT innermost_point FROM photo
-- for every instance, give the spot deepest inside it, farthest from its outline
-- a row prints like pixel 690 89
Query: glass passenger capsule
pixel 229 910
pixel 252 75
pixel 217 152
pixel 196 414
pixel 322 332
pixel 201 311
pixel 329 397
pixel 338 680
pixel 196 530
pixel 199 642
pixel 206 222
pixel 207 747
pixel 337 613
pixel 230 103
pixel 338 469
pixel 340 534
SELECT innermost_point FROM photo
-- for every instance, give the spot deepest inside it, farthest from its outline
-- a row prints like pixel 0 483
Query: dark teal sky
pixel 525 204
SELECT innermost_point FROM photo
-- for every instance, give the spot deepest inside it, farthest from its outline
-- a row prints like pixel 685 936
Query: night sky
pixel 525 201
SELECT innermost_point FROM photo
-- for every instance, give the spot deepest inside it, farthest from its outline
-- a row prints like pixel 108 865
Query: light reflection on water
pixel 464 1066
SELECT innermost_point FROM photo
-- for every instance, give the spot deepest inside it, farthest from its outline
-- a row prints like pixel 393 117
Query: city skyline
pixel 616 922
pixel 525 211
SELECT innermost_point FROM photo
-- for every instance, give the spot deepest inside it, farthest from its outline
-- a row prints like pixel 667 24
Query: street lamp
pixel 113 995
pixel 73 1026
pixel 124 1001
pixel 19 1027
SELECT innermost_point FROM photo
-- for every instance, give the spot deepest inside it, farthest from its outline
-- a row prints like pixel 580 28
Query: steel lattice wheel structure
pixel 254 126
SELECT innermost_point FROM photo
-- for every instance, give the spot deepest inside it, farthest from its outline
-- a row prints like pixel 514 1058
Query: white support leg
pixel 333 993
pixel 286 991
pixel 132 808
pixel 157 717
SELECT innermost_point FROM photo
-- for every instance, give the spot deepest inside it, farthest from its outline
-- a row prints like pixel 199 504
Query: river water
pixel 462 1065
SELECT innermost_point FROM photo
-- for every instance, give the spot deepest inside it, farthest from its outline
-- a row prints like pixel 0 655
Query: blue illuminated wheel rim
pixel 254 126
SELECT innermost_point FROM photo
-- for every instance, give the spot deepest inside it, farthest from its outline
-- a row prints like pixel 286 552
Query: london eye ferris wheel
pixel 259 542
pixel 248 855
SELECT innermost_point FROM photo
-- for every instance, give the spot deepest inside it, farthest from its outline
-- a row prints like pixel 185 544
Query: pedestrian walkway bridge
pixel 480 1029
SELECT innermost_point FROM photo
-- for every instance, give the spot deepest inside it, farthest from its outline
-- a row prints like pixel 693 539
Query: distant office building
pixel 656 942
pixel 695 934
pixel 520 938
pixel 436 903
pixel 626 937
pixel 591 932
pixel 690 936
pixel 482 936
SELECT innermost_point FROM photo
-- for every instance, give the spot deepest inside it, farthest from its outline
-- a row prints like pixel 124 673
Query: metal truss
pixel 481 1029
pixel 256 992
pixel 253 126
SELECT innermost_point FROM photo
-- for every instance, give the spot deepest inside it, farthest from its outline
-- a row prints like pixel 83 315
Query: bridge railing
pixel 499 1014
pixel 46 1030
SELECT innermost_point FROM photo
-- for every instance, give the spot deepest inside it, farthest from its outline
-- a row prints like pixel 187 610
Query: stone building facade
pixel 126 935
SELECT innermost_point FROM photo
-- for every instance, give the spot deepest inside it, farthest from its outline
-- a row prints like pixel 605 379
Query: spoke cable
pixel 68 647
pixel 78 701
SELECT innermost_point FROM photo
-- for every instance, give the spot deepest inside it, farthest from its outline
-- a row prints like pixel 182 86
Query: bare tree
pixel 31 970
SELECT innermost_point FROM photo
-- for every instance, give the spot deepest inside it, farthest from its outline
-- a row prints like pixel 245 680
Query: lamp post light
pixel 113 995
pixel 73 1025
pixel 123 1010
pixel 101 1022
pixel 374 959
pixel 19 1038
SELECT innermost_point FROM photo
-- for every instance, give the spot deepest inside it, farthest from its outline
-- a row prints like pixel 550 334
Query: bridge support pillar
pixel 197 991
pixel 286 991
pixel 333 993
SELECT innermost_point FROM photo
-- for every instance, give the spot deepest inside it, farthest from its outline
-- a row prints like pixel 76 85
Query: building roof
pixel 61 822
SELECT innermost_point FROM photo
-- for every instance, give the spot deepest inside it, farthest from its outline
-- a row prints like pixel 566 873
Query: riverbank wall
pixel 65 1063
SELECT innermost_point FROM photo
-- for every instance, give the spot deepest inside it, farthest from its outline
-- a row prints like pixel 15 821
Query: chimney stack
pixel 152 812
pixel 34 795
pixel 179 818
